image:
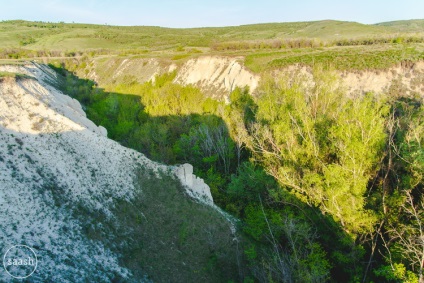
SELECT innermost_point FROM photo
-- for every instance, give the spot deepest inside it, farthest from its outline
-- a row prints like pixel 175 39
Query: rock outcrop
pixel 220 75
pixel 195 186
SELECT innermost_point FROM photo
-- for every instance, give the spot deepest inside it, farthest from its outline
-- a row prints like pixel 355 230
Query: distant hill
pixel 63 36
pixel 405 26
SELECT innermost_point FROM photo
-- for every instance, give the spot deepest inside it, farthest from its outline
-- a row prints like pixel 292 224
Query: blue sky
pixel 192 13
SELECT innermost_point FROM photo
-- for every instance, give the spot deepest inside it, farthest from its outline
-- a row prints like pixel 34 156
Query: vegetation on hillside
pixel 353 58
pixel 167 235
pixel 16 76
pixel 265 45
pixel 406 25
pixel 41 35
pixel 326 187
pixel 290 43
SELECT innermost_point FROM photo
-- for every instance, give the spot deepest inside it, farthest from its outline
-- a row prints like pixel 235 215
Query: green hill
pixel 405 26
pixel 346 45
pixel 62 36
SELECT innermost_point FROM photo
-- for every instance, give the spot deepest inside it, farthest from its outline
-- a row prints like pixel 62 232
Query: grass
pixel 378 57
pixel 38 35
pixel 401 26
pixel 16 76
pixel 165 234
pixel 345 45
pixel 12 62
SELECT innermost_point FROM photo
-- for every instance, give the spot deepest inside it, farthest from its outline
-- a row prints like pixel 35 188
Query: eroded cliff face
pixel 407 78
pixel 217 76
pixel 196 187
pixel 60 175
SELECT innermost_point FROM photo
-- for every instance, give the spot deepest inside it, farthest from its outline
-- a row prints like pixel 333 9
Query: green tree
pixel 402 191
pixel 291 253
pixel 320 145
pixel 238 115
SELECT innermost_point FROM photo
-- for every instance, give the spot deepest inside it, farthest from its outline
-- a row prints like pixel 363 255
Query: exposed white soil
pixel 48 148
pixel 220 75
pixel 408 79
pixel 215 76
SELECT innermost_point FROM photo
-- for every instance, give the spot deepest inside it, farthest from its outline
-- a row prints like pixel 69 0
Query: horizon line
pixel 194 27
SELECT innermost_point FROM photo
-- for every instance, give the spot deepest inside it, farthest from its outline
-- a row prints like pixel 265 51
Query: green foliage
pixel 412 146
pixel 296 257
pixel 354 58
pixel 321 145
pixel 16 76
pixel 402 186
pixel 255 223
pixel 162 97
pixel 267 44
pixel 167 122
pixel 26 40
pixel 63 36
pixel 359 59
pixel 241 103
pixel 396 273
pixel 318 180
pixel 245 188
pixel 208 143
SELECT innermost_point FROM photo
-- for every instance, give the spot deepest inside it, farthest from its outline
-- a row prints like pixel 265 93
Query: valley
pixel 283 152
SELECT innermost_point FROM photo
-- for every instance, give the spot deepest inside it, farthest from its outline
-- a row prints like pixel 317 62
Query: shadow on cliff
pixel 173 139
pixel 202 140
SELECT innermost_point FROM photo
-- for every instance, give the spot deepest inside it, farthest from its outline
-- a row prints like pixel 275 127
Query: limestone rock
pixel 103 131
pixel 195 186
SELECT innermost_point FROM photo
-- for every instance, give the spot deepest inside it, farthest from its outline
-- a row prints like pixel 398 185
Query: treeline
pixel 49 25
pixel 326 187
pixel 22 53
pixel 267 44
pixel 292 43
pixel 378 40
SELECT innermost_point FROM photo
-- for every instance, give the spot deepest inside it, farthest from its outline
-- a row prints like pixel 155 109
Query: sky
pixel 208 13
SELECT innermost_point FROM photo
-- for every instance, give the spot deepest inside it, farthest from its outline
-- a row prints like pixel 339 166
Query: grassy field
pixel 38 36
pixel 342 58
pixel 402 26
pixel 345 45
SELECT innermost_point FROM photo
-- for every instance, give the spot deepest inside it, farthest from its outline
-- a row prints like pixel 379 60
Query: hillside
pixel 218 76
pixel 78 37
pixel 98 49
pixel 405 26
pixel 91 208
